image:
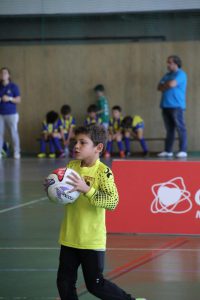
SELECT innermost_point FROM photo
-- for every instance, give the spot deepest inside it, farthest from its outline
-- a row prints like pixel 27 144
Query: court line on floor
pixel 22 205
pixel 138 271
pixel 108 249
pixel 142 260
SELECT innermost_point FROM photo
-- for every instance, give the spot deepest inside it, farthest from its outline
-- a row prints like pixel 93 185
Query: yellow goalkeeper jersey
pixel 83 225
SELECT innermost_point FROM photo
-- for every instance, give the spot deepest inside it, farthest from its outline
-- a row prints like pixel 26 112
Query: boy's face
pixel 85 149
pixel 65 117
pixel 116 114
pixel 99 94
pixel 92 115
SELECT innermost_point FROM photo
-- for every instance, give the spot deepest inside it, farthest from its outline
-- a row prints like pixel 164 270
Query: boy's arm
pixel 106 196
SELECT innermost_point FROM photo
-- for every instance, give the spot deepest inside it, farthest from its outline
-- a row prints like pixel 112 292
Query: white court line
pixel 22 205
pixel 108 249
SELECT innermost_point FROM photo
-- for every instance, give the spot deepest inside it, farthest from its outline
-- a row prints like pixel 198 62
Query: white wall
pixel 24 7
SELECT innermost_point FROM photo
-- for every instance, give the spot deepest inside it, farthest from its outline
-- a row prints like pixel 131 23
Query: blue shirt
pixel 175 97
pixel 11 90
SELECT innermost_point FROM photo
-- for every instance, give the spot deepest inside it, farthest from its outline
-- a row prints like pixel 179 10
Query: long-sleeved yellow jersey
pixel 83 225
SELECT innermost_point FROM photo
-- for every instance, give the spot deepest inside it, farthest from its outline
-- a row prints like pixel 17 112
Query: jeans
pixel 10 121
pixel 174 120
pixel 92 263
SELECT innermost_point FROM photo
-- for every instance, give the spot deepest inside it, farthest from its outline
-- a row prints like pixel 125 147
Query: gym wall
pixel 55 71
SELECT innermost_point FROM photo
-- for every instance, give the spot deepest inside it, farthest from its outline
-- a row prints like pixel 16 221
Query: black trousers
pixel 92 263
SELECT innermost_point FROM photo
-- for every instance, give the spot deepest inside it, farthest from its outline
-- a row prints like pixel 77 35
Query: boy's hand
pixel 78 184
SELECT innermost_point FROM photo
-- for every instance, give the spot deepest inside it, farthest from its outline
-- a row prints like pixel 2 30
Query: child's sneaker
pixel 41 155
pixel 107 154
pixel 140 299
pixel 122 154
pixel 128 154
pixel 52 155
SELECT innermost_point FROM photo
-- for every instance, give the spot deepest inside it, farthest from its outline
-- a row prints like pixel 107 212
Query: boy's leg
pixel 140 135
pixel 57 144
pixel 42 145
pixel 120 145
pixel 92 263
pixel 67 273
pixel 119 141
pixel 127 141
pixel 51 146
pixel 109 143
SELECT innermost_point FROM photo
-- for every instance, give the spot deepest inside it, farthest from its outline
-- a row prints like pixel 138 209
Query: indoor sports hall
pixel 55 57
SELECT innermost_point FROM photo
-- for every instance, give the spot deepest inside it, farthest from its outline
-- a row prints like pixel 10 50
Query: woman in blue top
pixel 9 97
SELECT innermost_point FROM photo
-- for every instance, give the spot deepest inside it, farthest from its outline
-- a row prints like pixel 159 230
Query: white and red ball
pixel 58 186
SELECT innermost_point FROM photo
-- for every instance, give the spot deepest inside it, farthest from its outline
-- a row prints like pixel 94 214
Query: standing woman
pixel 9 97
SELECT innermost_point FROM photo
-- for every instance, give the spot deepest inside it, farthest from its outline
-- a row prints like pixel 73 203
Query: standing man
pixel 9 98
pixel 173 103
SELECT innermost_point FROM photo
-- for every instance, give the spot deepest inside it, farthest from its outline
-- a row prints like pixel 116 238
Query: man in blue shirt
pixel 173 104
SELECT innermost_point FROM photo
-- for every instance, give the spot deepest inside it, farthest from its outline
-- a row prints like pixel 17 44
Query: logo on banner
pixel 171 197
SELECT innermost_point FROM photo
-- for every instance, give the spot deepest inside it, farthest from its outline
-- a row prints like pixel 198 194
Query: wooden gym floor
pixel 157 267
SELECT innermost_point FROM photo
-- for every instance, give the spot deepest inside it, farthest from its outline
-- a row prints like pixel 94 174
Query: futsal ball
pixel 58 186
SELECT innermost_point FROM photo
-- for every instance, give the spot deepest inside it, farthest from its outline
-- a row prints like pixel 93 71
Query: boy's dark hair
pixel 117 107
pixel 92 108
pixel 176 59
pixel 127 122
pixel 65 109
pixel 97 133
pixel 51 117
pixel 99 88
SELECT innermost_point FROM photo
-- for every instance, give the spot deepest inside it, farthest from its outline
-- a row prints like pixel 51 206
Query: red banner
pixel 156 197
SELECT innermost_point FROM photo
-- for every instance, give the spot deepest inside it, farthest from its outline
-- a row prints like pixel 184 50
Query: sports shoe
pixel 17 156
pixel 107 154
pixel 52 155
pixel 41 155
pixel 181 154
pixel 140 299
pixel 128 154
pixel 165 154
pixel 122 154
pixel 0 156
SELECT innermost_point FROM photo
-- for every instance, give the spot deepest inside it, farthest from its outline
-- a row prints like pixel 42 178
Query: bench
pixel 152 139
